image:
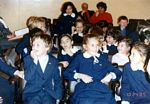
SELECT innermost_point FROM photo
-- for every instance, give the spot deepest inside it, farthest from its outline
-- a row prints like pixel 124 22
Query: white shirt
pixel 43 60
pixel 120 59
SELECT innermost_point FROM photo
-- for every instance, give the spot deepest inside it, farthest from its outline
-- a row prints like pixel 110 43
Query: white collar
pixel 80 34
pixel 72 15
pixel 137 67
pixel 73 50
pixel 116 44
pixel 87 55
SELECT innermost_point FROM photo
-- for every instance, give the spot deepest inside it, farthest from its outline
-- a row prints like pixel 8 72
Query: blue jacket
pixel 47 84
pixel 6 68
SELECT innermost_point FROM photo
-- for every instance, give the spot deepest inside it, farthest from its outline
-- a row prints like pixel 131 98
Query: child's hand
pixel 104 44
pixel 65 63
pixel 34 55
pixel 11 36
pixel 57 101
pixel 85 78
pixel 73 29
pixel 19 74
pixel 1 100
pixel 108 77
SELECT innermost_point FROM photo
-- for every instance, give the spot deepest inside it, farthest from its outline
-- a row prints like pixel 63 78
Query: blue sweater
pixel 135 87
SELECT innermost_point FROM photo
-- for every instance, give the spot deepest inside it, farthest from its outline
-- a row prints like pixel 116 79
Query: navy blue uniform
pixel 41 88
pixel 135 87
pixel 112 49
pixel 64 24
pixel 95 92
pixel 6 90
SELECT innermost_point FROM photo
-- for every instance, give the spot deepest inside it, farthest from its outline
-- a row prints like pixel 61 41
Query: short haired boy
pixel 43 84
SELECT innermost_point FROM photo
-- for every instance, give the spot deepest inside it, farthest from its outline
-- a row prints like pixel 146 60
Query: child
pixel 43 83
pixel 112 41
pixel 66 19
pixel 125 29
pixel 122 57
pixel 68 51
pixel 77 33
pixel 135 86
pixel 89 68
pixel 35 24
pixel 67 54
pixel 145 35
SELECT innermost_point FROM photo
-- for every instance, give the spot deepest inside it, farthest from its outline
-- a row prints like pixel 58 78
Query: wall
pixel 16 12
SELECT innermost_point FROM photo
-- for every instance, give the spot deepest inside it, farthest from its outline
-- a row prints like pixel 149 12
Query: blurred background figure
pixel 85 14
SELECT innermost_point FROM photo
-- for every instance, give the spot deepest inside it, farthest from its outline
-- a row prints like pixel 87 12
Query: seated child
pixel 135 85
pixel 89 68
pixel 122 57
pixel 112 37
pixel 112 42
pixel 68 50
pixel 43 82
pixel 67 54
pixel 77 33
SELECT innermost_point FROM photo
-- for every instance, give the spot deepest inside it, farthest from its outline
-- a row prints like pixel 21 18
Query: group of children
pixel 87 57
pixel 88 68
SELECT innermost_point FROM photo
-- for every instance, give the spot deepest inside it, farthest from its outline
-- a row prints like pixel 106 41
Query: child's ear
pixel 48 48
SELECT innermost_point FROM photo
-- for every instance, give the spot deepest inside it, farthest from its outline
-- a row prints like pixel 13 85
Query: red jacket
pixel 102 16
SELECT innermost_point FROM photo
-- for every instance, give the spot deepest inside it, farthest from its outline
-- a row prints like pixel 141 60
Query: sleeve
pixel 72 69
pixel 6 68
pixel 22 44
pixel 29 67
pixel 125 88
pixel 57 83
pixel 109 18
pixel 111 68
pixel 114 59
pixel 93 19
pixel 4 30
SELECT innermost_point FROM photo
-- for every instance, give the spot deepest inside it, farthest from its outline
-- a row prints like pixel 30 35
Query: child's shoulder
pixel 51 57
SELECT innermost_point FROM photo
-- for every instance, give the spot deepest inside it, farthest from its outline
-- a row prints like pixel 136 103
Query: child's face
pixel 39 47
pixel 122 48
pixel 110 40
pixel 123 23
pixel 69 10
pixel 135 57
pixel 79 27
pixel 66 43
pixel 92 46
